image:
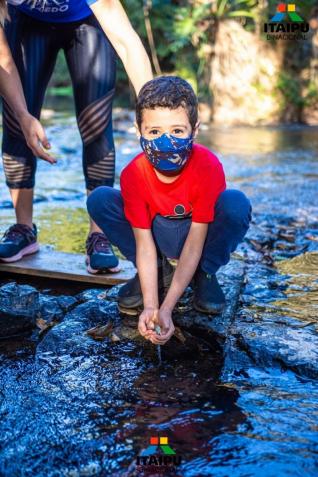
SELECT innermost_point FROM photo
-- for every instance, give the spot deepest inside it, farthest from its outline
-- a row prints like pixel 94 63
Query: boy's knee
pixel 234 206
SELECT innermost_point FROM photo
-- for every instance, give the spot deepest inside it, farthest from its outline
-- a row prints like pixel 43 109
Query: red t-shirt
pixel 192 194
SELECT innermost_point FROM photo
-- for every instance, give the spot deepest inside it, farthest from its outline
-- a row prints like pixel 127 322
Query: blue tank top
pixel 57 11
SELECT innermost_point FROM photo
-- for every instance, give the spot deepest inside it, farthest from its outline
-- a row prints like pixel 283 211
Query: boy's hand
pixel 167 328
pixel 147 321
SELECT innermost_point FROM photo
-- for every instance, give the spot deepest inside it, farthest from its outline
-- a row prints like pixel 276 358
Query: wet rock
pixel 112 293
pixel 66 302
pixel 272 343
pixel 50 309
pixel 259 236
pixel 275 325
pixel 19 307
pixel 91 294
pixel 70 336
pixel 53 308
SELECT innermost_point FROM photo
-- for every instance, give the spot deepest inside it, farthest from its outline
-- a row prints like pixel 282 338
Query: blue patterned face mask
pixel 167 153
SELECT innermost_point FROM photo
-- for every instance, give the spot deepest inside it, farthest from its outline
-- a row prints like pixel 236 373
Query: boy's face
pixel 156 122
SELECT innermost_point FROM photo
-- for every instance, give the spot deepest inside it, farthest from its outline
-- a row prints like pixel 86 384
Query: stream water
pixel 92 415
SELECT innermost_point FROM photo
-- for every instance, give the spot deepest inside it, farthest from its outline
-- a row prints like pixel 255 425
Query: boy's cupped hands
pixel 152 317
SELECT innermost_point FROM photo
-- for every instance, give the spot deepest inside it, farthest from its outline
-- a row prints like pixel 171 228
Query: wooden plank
pixel 65 266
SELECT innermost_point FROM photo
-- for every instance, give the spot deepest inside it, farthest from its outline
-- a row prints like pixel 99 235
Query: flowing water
pixel 93 415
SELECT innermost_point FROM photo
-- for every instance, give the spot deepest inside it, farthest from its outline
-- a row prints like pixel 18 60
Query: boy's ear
pixel 196 129
pixel 137 130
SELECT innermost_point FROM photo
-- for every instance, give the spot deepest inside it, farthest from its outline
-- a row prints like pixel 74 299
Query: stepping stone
pixel 49 263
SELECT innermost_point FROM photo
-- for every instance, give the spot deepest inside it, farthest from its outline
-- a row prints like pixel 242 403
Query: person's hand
pixel 147 321
pixel 164 320
pixel 35 137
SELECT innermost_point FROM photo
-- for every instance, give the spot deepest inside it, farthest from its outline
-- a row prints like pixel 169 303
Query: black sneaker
pixel 130 295
pixel 208 295
pixel 100 256
pixel 19 240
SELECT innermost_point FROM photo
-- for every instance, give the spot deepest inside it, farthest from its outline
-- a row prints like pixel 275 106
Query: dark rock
pixel 53 308
pixel 272 343
pixel 66 302
pixel 50 309
pixel 267 330
pixel 91 294
pixel 70 337
pixel 19 307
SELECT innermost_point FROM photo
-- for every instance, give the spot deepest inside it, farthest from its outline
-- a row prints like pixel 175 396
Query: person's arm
pixel 187 265
pixel 146 261
pixel 12 92
pixel 118 29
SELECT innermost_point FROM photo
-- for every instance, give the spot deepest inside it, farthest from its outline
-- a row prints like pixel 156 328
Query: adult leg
pixel 91 61
pixel 34 51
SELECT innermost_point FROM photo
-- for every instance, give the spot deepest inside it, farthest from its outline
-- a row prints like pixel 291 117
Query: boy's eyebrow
pixel 172 126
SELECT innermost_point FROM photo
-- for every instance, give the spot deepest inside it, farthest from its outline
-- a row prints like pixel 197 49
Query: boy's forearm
pixel 187 265
pixel 185 270
pixel 146 261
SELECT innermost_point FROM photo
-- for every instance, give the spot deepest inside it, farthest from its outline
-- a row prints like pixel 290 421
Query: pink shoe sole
pixel 29 250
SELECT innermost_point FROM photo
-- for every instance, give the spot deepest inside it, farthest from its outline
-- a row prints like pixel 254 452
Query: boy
pixel 172 204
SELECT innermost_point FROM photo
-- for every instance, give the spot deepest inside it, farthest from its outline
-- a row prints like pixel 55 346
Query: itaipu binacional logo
pixel 158 457
pixel 286 24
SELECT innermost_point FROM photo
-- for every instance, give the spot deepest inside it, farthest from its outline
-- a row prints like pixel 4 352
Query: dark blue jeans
pixel 230 224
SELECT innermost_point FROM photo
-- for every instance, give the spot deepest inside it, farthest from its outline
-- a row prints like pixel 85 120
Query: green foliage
pixel 311 96
pixel 61 77
pixel 183 31
pixel 234 8
pixel 184 34
pixel 291 90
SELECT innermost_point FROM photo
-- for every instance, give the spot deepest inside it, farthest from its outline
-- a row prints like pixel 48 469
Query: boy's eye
pixel 178 131
pixel 154 132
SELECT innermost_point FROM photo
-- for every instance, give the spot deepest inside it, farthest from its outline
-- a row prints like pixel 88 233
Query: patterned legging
pixel 91 61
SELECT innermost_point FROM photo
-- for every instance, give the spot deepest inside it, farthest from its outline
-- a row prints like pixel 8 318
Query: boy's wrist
pixel 166 307
pixel 151 304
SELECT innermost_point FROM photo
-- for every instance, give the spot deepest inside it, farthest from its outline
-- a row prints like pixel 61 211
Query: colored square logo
pixel 154 441
pixel 291 7
pixel 281 7
pixel 163 440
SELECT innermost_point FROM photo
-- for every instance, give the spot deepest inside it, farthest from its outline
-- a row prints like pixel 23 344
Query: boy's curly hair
pixel 167 92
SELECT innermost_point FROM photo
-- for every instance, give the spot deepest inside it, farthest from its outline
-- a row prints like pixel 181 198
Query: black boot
pixel 208 295
pixel 130 295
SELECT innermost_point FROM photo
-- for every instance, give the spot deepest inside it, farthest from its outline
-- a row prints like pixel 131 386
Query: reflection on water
pixel 301 292
pixel 85 416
